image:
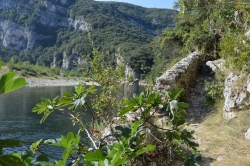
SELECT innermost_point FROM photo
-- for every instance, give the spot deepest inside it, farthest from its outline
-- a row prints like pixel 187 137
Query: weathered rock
pixel 69 62
pixel 216 65
pixel 220 158
pixel 182 74
pixel 236 93
pixel 129 72
pixel 20 37
pixel 142 27
pixel 247 134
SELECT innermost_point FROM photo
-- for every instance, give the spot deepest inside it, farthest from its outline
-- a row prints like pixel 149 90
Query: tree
pixel 214 27
pixel 128 141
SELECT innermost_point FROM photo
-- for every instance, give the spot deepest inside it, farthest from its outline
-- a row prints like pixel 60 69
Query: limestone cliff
pixel 25 37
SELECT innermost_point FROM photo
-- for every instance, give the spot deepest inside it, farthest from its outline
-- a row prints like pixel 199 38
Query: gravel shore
pixel 44 82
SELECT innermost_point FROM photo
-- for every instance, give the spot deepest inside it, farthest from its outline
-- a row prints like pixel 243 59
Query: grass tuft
pixel 225 139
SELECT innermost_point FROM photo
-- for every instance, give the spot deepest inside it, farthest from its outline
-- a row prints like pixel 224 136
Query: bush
pixel 215 89
pixel 73 73
pixel 55 70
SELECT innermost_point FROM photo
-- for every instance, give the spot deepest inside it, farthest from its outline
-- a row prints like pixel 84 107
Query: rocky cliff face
pixel 20 37
pixel 68 62
pixel 15 36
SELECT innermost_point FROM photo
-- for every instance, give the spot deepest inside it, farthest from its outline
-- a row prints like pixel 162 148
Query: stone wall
pixel 182 74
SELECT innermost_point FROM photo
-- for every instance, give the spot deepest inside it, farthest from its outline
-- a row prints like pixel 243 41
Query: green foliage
pixel 130 143
pixel 214 89
pixel 69 143
pixel 8 82
pixel 127 149
pixel 234 48
pixel 26 69
pixel 194 160
pixel 9 143
pixel 109 78
pixel 213 27
pixel 111 26
pixel 173 109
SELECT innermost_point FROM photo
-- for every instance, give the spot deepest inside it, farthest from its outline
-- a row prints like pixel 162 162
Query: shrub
pixel 214 89
pixel 55 70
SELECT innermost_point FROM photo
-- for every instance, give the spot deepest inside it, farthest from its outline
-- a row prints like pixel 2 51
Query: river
pixel 17 121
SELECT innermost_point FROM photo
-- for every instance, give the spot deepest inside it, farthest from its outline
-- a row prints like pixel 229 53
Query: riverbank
pixel 43 82
pixel 35 82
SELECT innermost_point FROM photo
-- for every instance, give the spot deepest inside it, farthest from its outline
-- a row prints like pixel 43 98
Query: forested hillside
pixel 38 30
pixel 215 27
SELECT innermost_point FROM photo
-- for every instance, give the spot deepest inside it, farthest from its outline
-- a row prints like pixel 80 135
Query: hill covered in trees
pixel 38 30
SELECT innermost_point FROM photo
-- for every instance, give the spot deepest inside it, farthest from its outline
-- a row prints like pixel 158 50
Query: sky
pixel 166 4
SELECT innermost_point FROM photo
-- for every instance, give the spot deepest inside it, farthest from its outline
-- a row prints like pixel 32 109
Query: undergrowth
pixel 224 139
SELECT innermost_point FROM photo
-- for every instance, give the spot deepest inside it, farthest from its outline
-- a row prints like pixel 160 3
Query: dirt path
pixel 197 109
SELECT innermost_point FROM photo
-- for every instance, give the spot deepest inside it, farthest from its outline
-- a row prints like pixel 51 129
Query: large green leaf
pixel 46 107
pixel 178 120
pixel 78 89
pixel 10 160
pixel 65 142
pixel 79 102
pixel 127 109
pixel 151 98
pixel 174 93
pixel 188 138
pixel 172 135
pixel 94 156
pixel 9 83
pixel 43 158
pixel 34 146
pixel 183 105
pixel 149 147
pixel 117 159
pixel 135 126
pixel 9 143
pixel 125 130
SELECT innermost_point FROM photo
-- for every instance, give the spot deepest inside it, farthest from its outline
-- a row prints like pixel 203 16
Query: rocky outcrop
pixel 182 74
pixel 142 27
pixel 216 65
pixel 79 23
pixel 20 38
pixel 247 134
pixel 68 62
pixel 236 93
pixel 55 16
pixel 129 72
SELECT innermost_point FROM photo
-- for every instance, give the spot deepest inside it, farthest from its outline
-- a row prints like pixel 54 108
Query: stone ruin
pixel 182 74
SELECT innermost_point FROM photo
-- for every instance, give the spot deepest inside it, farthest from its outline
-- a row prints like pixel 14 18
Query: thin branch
pixel 90 138
pixel 88 134
pixel 93 116
pixel 149 132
